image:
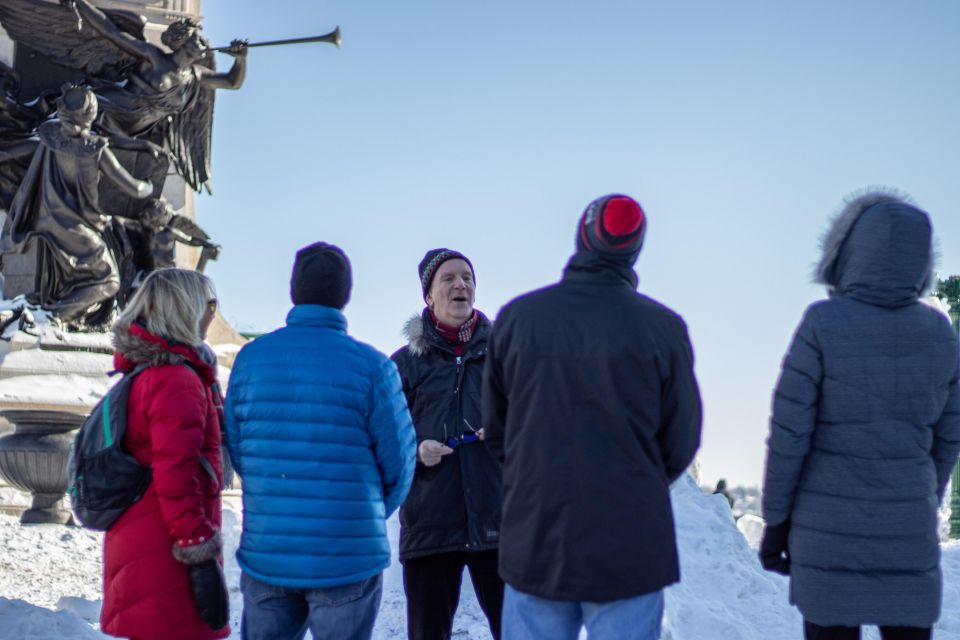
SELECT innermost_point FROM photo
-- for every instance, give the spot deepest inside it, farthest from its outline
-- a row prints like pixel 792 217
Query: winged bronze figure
pixel 144 91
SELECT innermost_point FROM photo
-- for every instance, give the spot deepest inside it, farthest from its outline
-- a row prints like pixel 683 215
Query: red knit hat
pixel 614 224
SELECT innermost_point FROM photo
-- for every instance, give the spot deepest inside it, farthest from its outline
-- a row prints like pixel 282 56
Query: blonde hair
pixel 170 303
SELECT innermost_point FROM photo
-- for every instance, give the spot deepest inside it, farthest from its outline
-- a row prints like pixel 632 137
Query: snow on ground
pixel 50 582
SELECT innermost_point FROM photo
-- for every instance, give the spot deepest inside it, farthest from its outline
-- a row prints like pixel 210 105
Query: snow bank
pixel 24 621
pixel 948 628
pixel 723 594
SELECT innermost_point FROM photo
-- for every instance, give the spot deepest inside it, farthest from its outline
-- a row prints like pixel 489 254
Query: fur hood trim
pixel 413 332
pixel 135 345
pixel 417 340
pixel 842 222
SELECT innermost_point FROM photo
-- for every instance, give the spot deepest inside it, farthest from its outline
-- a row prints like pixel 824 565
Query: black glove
pixel 774 553
pixel 210 593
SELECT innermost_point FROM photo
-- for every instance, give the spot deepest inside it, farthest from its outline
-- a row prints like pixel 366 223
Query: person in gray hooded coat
pixel 864 433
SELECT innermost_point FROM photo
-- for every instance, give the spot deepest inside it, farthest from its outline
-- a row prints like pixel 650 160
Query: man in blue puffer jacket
pixel 319 432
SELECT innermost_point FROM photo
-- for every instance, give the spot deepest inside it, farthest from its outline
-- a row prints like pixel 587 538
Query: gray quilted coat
pixel 866 426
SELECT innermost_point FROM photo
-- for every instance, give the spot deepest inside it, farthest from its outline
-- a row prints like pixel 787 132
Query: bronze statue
pixel 57 205
pixel 144 91
pixel 146 106
pixel 153 234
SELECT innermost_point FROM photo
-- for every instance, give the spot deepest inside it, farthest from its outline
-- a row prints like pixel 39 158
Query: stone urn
pixel 34 459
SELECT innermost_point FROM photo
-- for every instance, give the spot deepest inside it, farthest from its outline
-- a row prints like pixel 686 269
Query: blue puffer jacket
pixel 866 427
pixel 319 432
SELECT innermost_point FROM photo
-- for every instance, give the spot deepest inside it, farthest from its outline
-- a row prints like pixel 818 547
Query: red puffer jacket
pixel 172 421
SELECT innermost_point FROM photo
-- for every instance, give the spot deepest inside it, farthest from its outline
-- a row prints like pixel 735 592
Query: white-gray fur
pixel 201 552
pixel 413 332
pixel 842 222
pixel 138 350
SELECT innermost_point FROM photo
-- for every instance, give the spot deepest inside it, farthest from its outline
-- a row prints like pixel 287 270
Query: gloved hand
pixel 210 593
pixel 774 553
pixel 430 452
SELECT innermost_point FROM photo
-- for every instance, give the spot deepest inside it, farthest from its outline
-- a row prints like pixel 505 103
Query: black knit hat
pixel 613 225
pixel 321 275
pixel 431 263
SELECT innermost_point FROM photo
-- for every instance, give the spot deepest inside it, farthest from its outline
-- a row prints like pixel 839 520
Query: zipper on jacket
pixel 461 419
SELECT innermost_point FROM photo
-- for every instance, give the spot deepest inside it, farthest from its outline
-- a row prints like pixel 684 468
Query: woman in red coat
pixel 173 427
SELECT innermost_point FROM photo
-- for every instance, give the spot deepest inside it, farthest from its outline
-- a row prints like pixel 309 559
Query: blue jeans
pixel 527 617
pixel 345 612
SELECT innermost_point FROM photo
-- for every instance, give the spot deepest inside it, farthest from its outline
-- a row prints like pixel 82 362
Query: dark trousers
pixel 816 632
pixel 432 586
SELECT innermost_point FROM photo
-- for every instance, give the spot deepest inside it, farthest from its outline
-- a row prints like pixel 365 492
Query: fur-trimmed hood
pixel 413 332
pixel 878 249
pixel 419 340
pixel 135 345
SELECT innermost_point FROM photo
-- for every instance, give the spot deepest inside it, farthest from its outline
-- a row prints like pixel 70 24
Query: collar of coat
pixel 135 345
pixel 422 336
pixel 317 315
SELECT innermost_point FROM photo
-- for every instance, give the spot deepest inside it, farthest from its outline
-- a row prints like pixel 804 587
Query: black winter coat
pixel 591 403
pixel 455 505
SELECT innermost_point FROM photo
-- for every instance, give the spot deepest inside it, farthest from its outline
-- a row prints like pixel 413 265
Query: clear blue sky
pixel 487 126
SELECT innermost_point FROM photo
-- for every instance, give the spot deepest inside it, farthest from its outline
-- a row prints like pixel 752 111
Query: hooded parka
pixel 454 505
pixel 865 427
pixel 172 421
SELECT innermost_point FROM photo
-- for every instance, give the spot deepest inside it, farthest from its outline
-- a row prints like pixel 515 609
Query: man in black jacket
pixel 451 518
pixel 591 405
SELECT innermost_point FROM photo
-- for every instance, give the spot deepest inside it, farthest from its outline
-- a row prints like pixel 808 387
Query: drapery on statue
pixel 144 91
pixel 57 204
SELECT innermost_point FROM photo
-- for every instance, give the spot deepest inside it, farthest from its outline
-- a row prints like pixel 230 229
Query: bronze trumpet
pixel 333 38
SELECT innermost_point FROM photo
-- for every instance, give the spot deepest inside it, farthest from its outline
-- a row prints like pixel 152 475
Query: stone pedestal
pixel 20 272
pixel 48 384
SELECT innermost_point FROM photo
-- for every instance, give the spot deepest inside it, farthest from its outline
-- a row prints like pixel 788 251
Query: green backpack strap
pixel 105 407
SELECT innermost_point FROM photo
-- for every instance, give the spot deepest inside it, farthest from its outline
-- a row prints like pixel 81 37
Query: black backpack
pixel 104 480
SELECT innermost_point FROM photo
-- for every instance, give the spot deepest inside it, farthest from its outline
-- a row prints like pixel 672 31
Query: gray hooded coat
pixel 866 427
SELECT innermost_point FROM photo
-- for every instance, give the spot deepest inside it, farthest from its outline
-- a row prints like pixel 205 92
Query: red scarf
pixel 456 337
